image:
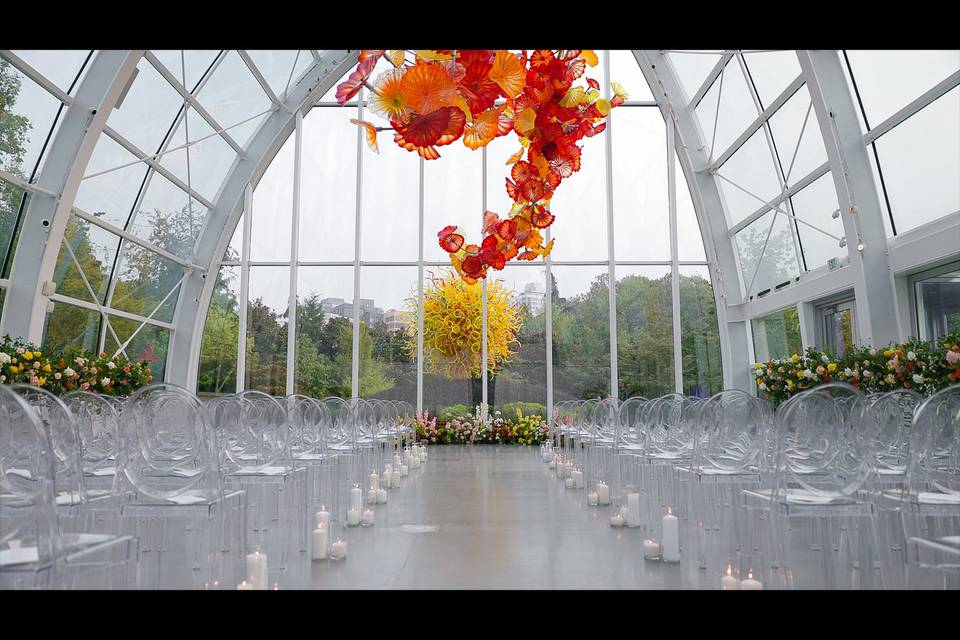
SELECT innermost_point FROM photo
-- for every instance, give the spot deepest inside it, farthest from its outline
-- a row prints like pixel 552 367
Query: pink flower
pixel 953 357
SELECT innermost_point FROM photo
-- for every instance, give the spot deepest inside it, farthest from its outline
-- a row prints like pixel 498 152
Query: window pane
pixel 28 113
pixel 142 281
pixel 699 335
pixel 281 69
pixel 95 250
pixel 148 110
pixel 815 204
pixel 324 331
pixel 581 333
pixel 150 343
pixel 391 202
pixel 737 109
pixel 889 80
pixel 195 62
pixel 771 72
pixel 235 248
pixel 232 95
pixel 273 208
pixel 644 331
pixel 524 378
pixel 770 266
pixel 498 151
pixel 800 153
pixel 69 328
pixel 266 358
pixel 210 159
pixel 938 305
pixel 218 351
pixel 388 347
pixel 168 217
pixel 692 69
pixel 580 205
pixel 451 372
pixel 328 201
pixel 689 238
pixel 59 66
pixel 776 335
pixel 452 194
pixel 625 70
pixel 110 195
pixel 641 208
pixel 752 170
pixel 922 156
pixel 10 199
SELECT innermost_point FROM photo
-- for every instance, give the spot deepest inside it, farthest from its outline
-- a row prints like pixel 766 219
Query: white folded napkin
pixel 189 497
pixel 19 555
pixel 799 496
pixel 930 497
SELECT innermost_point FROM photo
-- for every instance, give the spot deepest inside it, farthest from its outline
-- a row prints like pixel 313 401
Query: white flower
pixel 57 375
pixel 918 378
pixel 80 361
pixel 809 374
pixel 847 372
pixel 911 356
pixel 111 365
pixel 825 357
pixel 3 378
pixel 4 358
pixel 763 387
pixel 20 350
pixel 873 352
pixel 69 372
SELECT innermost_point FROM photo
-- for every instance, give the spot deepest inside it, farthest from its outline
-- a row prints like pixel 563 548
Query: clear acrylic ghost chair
pixel 601 440
pixel 341 444
pixel 98 425
pixel 169 460
pixel 930 506
pixel 933 563
pixel 260 461
pixel 574 450
pixel 309 420
pixel 37 545
pixel 825 457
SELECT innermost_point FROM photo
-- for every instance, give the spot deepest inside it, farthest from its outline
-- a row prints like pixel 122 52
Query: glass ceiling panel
pixel 452 194
pixel 640 203
pixel 58 66
pixel 889 80
pixel 95 249
pixel 786 126
pixel 771 72
pixel 692 69
pixel 143 280
pixel 210 159
pixel 625 70
pixel 328 202
pixel 689 238
pixel 920 160
pixel 195 62
pixel 737 109
pixel 815 204
pixel 752 169
pixel 770 266
pixel 167 219
pixel 232 95
pixel 148 110
pixel 28 111
pixel 281 69
pixel 110 194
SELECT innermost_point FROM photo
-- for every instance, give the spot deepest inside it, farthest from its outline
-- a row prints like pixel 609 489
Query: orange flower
pixel 390 101
pixel 507 72
pixel 371 132
pixel 428 87
pixel 482 130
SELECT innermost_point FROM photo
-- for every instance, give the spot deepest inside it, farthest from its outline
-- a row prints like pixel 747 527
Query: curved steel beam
pixel 66 161
pixel 183 354
pixel 707 203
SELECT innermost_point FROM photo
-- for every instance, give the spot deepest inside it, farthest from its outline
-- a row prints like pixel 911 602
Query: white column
pixel 611 257
pixel 294 256
pixel 244 288
pixel 420 297
pixel 355 362
pixel 674 261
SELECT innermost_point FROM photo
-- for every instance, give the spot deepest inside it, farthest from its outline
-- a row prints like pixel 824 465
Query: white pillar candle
pixel 366 518
pixel 356 498
pixel 633 509
pixel 404 471
pixel 651 550
pixel 592 498
pixel 603 493
pixel 320 542
pixel 623 514
pixel 382 496
pixel 374 480
pixel 397 460
pixel 338 550
pixel 568 483
pixel 372 496
pixel 616 520
pixel 396 478
pixel 671 537
pixel 353 517
pixel 728 582
pixel 257 569
pixel 751 584
pixel 415 461
pixel 323 516
pixel 388 478
pixel 553 462
pixel 577 476
pixel 245 586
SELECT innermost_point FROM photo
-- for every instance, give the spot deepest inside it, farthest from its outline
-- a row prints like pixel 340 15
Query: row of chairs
pixel 89 483
pixel 878 475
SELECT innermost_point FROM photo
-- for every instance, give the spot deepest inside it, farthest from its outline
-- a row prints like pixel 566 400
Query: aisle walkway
pixel 495 517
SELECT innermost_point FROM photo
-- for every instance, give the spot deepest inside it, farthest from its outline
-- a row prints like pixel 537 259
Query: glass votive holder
pixel 592 499
pixel 651 549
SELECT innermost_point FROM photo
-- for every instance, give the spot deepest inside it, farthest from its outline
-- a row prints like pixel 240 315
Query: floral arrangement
pixel 446 95
pixel 453 330
pixel 477 427
pixel 24 362
pixel 915 364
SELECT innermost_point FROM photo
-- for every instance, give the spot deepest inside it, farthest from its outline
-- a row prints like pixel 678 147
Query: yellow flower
pixel 756 366
pixel 832 367
pixel 43 381
pixel 888 352
pixel 37 354
pixel 790 384
pixel 47 368
pixel 794 357
pixel 27 356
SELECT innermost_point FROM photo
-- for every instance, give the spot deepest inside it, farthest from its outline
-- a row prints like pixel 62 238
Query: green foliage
pixel 471 428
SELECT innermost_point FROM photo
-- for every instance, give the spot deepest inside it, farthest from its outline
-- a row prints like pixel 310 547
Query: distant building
pixel 395 320
pixel 533 297
pixel 369 312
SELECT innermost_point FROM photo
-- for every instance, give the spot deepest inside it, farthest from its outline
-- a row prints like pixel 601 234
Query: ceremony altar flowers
pixel 915 364
pixel 479 427
pixel 432 98
pixel 24 362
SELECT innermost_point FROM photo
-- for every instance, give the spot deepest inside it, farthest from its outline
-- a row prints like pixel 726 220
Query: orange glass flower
pixel 428 87
pixel 508 73
pixel 389 100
